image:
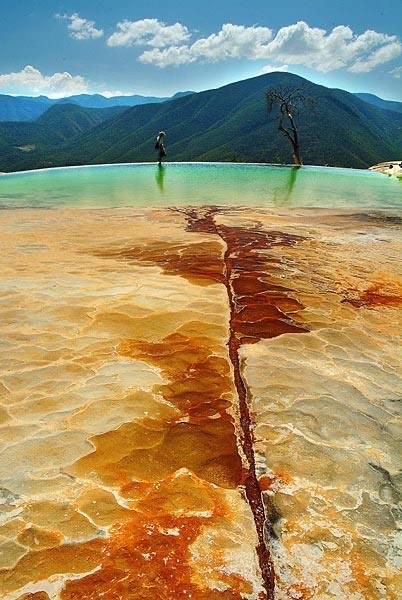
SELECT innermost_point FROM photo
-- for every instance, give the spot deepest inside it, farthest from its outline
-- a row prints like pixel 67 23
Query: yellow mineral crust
pixel 120 467
pixel 121 462
pixel 327 425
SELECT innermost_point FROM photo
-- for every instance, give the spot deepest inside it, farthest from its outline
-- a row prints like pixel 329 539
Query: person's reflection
pixel 160 176
pixel 283 194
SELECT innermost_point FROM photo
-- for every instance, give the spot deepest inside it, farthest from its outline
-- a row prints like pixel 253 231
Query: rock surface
pixel 389 168
pixel 172 379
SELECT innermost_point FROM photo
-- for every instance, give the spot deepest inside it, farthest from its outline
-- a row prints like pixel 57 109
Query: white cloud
pixel 297 44
pixel 175 55
pixel 31 81
pixel 378 57
pixel 274 69
pixel 149 32
pixel 232 41
pixel 397 72
pixel 81 29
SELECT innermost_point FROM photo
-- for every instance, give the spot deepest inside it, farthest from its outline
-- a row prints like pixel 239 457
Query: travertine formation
pixel 199 404
pixel 393 167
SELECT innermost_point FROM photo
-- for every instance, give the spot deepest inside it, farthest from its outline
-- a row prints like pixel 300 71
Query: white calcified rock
pixel 391 167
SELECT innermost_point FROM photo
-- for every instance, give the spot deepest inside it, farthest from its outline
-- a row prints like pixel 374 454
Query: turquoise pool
pixel 197 184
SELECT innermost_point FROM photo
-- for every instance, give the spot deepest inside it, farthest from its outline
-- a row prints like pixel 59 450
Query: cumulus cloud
pixel 31 81
pixel 232 41
pixel 148 32
pixel 297 44
pixel 397 72
pixel 81 29
pixel 168 56
pixel 378 57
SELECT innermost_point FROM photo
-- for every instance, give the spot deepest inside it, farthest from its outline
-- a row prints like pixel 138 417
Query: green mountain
pixel 231 123
pixel 99 101
pixel 23 144
pixel 24 108
pixel 376 101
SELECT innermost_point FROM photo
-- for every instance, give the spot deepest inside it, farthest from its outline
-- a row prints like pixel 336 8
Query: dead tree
pixel 289 102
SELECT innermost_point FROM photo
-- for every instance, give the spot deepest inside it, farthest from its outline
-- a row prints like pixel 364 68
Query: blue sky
pixel 57 47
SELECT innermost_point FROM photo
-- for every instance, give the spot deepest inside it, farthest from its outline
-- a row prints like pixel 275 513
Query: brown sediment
pixel 374 296
pixel 298 591
pixel 199 387
pixel 198 263
pixel 200 436
pixel 280 477
pixel 257 311
pixel 144 559
pixel 143 459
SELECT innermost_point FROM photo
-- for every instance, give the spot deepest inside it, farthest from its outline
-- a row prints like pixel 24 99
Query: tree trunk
pixel 295 142
pixel 296 156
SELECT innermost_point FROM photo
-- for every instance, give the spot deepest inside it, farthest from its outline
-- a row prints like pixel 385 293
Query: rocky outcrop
pixel 389 168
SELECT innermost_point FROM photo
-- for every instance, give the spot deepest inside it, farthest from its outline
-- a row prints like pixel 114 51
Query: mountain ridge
pixel 231 123
pixel 29 108
pixel 380 102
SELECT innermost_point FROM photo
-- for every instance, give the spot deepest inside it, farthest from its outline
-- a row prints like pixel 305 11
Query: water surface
pixel 199 184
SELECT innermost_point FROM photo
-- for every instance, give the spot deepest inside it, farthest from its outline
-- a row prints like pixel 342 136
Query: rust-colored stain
pixel 199 263
pixel 375 296
pixel 147 556
pixel 267 482
pixel 202 437
pixel 144 560
pixel 299 591
pixel 261 309
pixel 257 311
pixel 141 560
pixel 200 387
pixel 362 579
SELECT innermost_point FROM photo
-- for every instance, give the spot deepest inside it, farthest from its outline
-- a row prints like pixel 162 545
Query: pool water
pixel 199 184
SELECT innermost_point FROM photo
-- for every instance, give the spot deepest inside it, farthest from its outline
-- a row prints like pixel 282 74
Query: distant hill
pixel 60 123
pixel 380 103
pixel 25 108
pixel 21 108
pixel 231 123
pixel 99 101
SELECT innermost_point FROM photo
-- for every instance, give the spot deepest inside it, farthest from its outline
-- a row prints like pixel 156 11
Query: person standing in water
pixel 160 146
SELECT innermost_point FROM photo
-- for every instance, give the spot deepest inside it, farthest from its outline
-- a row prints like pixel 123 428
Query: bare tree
pixel 289 100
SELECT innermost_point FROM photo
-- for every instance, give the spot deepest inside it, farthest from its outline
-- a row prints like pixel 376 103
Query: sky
pixel 60 48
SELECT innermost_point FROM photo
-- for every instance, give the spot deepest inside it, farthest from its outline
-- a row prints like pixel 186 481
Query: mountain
pixel 60 123
pixel 20 108
pixel 380 103
pixel 231 123
pixel 24 108
pixel 181 95
pixel 99 101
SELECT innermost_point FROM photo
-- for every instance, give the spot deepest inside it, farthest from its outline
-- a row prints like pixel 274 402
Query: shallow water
pixel 199 184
